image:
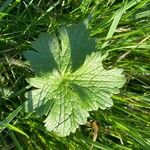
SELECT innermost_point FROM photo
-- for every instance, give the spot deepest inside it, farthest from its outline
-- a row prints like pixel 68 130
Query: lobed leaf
pixel 66 92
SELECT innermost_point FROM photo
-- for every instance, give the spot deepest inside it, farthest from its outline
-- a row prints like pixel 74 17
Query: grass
pixel 121 27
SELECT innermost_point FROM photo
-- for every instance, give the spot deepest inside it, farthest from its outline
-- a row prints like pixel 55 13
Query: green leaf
pixel 117 16
pixel 67 90
pixel 11 127
pixel 11 116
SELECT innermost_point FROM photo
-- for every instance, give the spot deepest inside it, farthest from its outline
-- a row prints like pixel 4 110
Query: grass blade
pixel 11 116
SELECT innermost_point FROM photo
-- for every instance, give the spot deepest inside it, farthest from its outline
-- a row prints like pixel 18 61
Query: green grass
pixel 120 27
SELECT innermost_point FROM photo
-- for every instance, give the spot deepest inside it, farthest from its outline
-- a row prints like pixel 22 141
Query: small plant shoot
pixel 70 79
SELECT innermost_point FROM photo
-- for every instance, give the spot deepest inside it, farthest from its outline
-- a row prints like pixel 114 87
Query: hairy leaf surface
pixel 70 81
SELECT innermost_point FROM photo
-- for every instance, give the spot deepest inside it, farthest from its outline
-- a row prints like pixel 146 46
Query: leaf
pixel 66 90
pixel 11 127
pixel 11 116
pixel 117 16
